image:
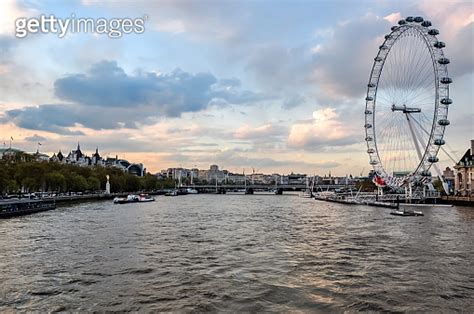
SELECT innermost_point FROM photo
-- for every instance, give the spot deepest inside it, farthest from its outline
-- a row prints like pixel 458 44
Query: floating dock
pixel 357 202
pixel 19 207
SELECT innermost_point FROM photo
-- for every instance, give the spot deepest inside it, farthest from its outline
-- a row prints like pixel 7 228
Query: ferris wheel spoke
pixel 409 145
pixel 426 83
pixel 414 73
pixel 420 68
pixel 421 99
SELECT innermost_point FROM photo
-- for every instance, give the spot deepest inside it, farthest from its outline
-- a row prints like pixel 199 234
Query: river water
pixel 237 253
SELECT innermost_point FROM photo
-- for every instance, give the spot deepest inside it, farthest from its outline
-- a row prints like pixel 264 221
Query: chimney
pixel 472 147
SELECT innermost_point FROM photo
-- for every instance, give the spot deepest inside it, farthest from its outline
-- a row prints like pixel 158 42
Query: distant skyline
pixel 274 85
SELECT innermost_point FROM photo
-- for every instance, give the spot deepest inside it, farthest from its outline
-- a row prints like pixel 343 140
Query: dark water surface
pixel 237 253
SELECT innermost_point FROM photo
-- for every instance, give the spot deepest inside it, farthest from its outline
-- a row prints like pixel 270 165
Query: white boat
pixel 404 212
pixel 145 198
pixel 120 200
pixel 172 193
pixel 191 191
pixel 132 198
pixel 129 199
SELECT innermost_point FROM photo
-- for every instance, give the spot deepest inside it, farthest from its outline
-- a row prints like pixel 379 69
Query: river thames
pixel 237 253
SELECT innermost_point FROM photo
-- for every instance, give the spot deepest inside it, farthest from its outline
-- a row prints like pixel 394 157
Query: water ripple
pixel 237 253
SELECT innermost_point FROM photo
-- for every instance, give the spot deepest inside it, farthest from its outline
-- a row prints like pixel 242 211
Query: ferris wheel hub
pixel 405 109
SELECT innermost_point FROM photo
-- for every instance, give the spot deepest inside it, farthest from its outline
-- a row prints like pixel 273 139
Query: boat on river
pixel 172 193
pixel 131 198
pixel 191 191
pixel 145 198
pixel 404 212
pixel 18 207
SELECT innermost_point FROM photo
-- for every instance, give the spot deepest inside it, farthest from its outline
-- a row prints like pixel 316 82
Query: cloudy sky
pixel 274 85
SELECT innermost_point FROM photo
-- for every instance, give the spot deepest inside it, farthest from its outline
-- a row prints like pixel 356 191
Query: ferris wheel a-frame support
pixel 415 140
pixel 435 166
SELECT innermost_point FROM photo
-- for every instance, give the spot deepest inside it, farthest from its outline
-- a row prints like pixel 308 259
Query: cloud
pixel 10 10
pixel 128 100
pixel 35 138
pixel 51 118
pixel 168 94
pixel 393 18
pixel 233 159
pixel 6 44
pixel 342 65
pixel 278 68
pixel 293 101
pixel 461 51
pixel 174 26
pixel 450 17
pixel 107 85
pixel 198 20
pixel 324 129
pixel 267 132
pixel 229 83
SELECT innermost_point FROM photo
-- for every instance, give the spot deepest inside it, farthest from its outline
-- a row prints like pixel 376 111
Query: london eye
pixel 407 104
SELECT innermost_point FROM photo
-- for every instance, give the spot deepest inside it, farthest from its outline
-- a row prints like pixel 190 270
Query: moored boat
pixel 191 191
pixel 404 212
pixel 172 193
pixel 129 199
pixel 120 200
pixel 145 198
pixel 17 207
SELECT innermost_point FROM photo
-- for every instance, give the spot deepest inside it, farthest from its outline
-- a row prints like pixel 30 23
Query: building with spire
pixel 79 158
pixel 96 158
pixel 40 156
pixel 76 156
pixel 59 157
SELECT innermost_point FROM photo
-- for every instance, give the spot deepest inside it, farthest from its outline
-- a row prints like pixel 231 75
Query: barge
pixel 18 207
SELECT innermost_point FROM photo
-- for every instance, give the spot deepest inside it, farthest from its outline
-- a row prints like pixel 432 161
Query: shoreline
pixel 450 200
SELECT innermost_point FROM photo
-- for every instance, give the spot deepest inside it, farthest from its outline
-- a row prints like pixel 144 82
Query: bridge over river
pixel 249 188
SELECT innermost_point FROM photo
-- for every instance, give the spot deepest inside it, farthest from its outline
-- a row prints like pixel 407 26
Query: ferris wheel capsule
pixel 446 80
pixel 446 101
pixel 444 122
pixel 426 24
pixel 443 60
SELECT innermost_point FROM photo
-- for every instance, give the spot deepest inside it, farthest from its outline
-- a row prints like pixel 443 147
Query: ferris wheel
pixel 407 104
